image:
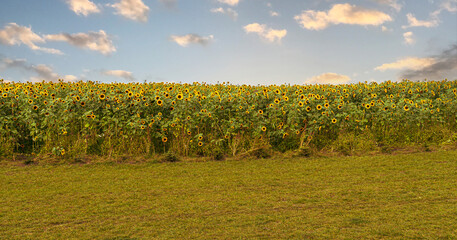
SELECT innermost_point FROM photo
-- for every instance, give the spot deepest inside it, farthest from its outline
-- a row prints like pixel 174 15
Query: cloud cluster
pixel 228 11
pixel 120 73
pixel 43 72
pixel 413 22
pixel 329 78
pixel 229 2
pixel 132 9
pixel 274 14
pixel 14 34
pixel 413 63
pixel 409 38
pixel 446 5
pixel 443 65
pixel 83 7
pixel 95 41
pixel 341 14
pixel 269 34
pixel 392 3
pixel 185 40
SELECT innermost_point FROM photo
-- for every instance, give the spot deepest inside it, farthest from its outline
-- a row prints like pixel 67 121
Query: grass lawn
pixel 411 196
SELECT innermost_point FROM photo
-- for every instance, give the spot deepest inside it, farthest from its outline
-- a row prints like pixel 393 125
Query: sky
pixel 255 42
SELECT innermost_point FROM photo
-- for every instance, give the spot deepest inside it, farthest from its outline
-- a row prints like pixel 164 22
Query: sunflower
pixel 260 111
pixel 367 106
pixel 334 120
pixel 340 106
pixel 308 108
pixel 188 118
pixel 285 135
pixel 326 105
pixel 264 129
pixel 300 104
pixel 319 107
pixel 83 104
pixel 200 144
pixel 277 101
pixel 35 107
pixel 164 139
pixel 200 138
pixel 142 127
pixel 159 102
pixel 30 101
pixel 179 96
pixel 302 97
pixel 406 108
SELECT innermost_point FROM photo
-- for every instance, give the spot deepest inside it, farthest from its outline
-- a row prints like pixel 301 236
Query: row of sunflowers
pixel 194 119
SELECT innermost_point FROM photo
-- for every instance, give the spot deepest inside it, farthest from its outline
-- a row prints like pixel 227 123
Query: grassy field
pixel 411 196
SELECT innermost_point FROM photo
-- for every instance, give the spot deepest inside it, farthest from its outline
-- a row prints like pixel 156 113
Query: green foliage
pixel 170 157
pixel 195 119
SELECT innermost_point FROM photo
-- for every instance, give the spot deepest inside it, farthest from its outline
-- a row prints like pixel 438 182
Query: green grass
pixel 411 196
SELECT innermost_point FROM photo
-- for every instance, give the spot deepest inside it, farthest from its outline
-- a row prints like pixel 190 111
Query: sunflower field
pixel 68 119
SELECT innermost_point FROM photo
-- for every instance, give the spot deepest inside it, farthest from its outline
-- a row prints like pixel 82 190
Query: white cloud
pixel 449 5
pixel 185 40
pixel 444 66
pixel 328 78
pixel 413 22
pixel 14 34
pixel 120 73
pixel 392 3
pixel 341 14
pixel 229 12
pixel 132 9
pixel 43 72
pixel 272 35
pixel 409 38
pixel 446 5
pixel 274 14
pixel 412 63
pixel 385 29
pixel 83 7
pixel 95 41
pixel 230 2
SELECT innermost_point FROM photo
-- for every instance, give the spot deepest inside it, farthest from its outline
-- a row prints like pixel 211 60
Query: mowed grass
pixel 412 196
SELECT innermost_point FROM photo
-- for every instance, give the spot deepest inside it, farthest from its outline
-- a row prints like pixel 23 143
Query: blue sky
pixel 237 41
